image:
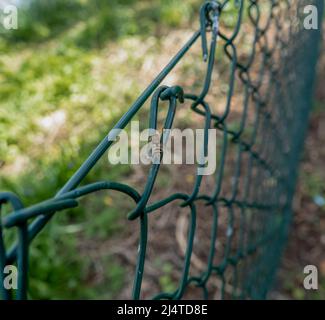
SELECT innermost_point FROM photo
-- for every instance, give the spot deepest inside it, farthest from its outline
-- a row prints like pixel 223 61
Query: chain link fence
pixel 274 70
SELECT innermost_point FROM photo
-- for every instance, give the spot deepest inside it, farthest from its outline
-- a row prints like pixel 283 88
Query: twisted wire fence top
pixel 273 73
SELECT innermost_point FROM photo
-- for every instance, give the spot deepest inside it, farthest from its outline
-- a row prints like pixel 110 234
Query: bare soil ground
pixel 168 226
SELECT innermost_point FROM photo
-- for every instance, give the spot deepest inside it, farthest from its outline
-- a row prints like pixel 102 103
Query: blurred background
pixel 66 76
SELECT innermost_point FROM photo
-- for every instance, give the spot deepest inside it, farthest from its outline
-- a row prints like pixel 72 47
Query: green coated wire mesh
pixel 273 71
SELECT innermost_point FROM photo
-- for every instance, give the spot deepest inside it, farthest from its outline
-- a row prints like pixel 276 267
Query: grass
pixel 66 75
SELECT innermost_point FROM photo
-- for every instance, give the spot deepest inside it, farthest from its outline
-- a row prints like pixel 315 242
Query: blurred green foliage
pixel 92 22
pixel 66 75
pixel 166 281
